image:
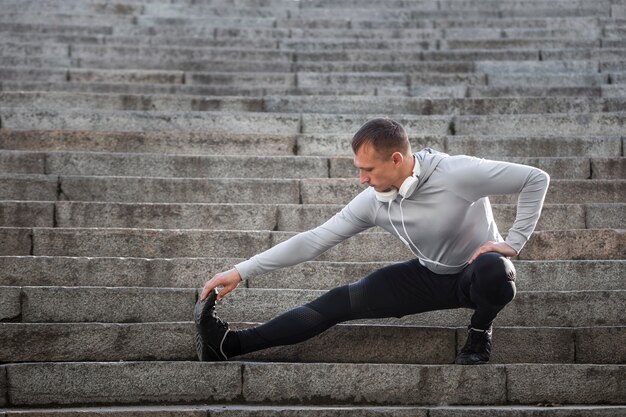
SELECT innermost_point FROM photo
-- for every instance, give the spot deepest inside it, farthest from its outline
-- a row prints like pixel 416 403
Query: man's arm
pixel 357 216
pixel 477 178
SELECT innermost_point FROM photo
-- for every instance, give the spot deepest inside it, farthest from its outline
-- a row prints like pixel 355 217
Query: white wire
pixel 419 253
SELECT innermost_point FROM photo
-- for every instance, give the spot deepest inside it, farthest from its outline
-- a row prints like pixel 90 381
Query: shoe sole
pixel 201 310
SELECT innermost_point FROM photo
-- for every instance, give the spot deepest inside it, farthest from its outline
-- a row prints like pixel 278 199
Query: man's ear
pixel 397 158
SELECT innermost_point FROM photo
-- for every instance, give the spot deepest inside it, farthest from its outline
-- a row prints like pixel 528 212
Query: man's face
pixel 374 169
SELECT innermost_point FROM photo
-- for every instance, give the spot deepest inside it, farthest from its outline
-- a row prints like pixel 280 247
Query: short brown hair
pixel 385 135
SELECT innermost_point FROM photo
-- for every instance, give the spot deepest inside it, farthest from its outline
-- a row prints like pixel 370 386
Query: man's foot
pixel 477 348
pixel 211 330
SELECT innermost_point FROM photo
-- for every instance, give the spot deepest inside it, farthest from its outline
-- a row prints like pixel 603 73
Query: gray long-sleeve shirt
pixel 447 217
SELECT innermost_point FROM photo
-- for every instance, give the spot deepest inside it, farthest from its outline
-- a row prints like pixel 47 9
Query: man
pixel 435 204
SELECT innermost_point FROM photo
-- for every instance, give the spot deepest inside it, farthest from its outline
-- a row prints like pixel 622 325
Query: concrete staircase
pixel 147 144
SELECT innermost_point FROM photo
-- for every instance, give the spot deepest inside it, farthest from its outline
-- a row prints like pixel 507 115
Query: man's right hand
pixel 228 279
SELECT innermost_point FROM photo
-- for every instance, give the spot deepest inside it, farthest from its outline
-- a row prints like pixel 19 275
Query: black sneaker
pixel 211 330
pixel 477 348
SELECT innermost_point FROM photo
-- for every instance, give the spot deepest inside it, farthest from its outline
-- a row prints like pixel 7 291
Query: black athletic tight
pixel 486 286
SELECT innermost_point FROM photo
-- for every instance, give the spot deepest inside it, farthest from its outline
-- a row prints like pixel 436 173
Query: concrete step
pixel 289 217
pixel 194 272
pixel 334 145
pixel 279 191
pixel 551 124
pixel 312 104
pixel 231 122
pixel 389 384
pixel 366 247
pixel 327 411
pixel 139 305
pixel 201 143
pixel 345 343
pixel 183 166
pixel 191 166
pixel 189 53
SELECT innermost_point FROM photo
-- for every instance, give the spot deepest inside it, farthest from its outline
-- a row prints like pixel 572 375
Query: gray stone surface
pixel 22 163
pixel 605 216
pixel 530 411
pixel 375 384
pixel 109 305
pixel 601 345
pixel 205 143
pixel 126 76
pixel 15 241
pixel 167 216
pixel 123 382
pixel 576 244
pixel 576 124
pixel 33 74
pixel 52 119
pixel 111 272
pixel 10 303
pixel 536 275
pixel 185 166
pixel 57 342
pixel 566 384
pixel 28 187
pixel 148 243
pixel 609 168
pixel 26 214
pixel 180 190
pixel 3 385
pixel 538 146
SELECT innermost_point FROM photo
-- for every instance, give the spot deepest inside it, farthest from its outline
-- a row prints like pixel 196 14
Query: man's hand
pixel 228 279
pixel 501 248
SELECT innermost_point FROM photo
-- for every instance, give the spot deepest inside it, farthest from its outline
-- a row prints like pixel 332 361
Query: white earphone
pixel 406 189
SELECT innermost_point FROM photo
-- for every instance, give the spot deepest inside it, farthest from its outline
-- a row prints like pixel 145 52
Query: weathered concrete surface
pixel 122 382
pixel 127 121
pixel 534 146
pixel 10 303
pixel 148 243
pixel 47 342
pixel 601 345
pixel 15 241
pixel 3 385
pixel 166 216
pixel 580 244
pixel 201 143
pixel 28 187
pixel 566 384
pixel 26 214
pixel 111 305
pixel 609 124
pixel 179 190
pixel 111 272
pixel 375 384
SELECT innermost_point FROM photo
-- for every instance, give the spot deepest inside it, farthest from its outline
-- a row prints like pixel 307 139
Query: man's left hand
pixel 500 247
